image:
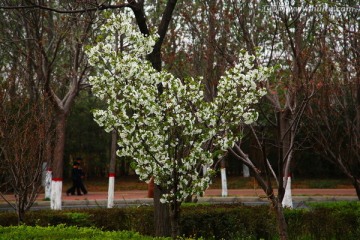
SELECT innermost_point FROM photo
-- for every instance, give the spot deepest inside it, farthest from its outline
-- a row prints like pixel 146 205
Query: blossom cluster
pixel 167 134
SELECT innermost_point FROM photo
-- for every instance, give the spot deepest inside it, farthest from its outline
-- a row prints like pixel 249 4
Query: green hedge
pixel 231 221
pixel 226 221
pixel 333 220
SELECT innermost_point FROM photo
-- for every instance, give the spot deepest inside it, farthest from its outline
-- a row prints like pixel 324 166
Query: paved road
pixel 139 197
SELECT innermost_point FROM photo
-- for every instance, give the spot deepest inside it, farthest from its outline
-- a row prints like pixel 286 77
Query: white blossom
pixel 166 134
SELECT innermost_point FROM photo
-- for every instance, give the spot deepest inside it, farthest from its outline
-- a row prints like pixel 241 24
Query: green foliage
pixel 338 205
pixel 139 219
pixel 333 220
pixel 80 219
pixel 336 220
pixel 228 222
pixel 85 138
pixel 65 232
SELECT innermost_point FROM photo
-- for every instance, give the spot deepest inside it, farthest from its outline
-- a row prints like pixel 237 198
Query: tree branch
pixel 92 9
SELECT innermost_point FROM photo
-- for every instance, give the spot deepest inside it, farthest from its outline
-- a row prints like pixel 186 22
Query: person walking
pixel 82 175
pixel 76 180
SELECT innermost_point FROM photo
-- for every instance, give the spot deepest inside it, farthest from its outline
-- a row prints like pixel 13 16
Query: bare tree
pixel 292 39
pixel 334 117
pixel 24 131
pixel 333 125
pixel 54 51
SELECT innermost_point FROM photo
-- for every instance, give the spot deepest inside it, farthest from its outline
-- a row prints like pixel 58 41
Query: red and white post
pixel 111 190
pixel 56 191
pixel 287 200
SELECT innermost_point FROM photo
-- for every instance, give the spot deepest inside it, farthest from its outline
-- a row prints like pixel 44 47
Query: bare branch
pixel 92 9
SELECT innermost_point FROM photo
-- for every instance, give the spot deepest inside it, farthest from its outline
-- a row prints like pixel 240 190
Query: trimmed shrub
pixel 228 222
pixel 333 220
pixel 133 219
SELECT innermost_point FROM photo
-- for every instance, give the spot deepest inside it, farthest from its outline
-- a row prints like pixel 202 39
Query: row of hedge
pixel 233 221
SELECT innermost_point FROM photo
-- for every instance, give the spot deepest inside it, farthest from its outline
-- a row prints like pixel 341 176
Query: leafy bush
pixel 134 219
pixel 228 222
pixel 79 219
pixel 333 220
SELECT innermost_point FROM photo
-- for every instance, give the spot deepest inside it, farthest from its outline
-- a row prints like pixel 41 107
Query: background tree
pixel 24 131
pixel 25 115
pixel 85 138
pixel 333 119
pixel 55 62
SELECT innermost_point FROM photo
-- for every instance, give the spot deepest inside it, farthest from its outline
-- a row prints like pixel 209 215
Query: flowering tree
pixel 172 135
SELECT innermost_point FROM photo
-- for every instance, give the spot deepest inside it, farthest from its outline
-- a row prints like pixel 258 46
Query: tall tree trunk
pixel 285 150
pixel 276 204
pixel 161 212
pixel 48 159
pixel 58 164
pixel 265 184
pixel 210 54
pixel 175 219
pixel 281 222
pixel 287 199
pixel 111 189
pixel 161 215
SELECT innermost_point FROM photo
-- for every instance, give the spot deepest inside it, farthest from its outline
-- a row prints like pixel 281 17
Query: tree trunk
pixel 287 200
pixel 58 164
pixel 224 191
pixel 175 219
pixel 246 171
pixel 285 137
pixel 21 214
pixel 56 190
pixel 277 206
pixel 111 188
pixel 281 222
pixel 48 183
pixel 267 187
pixel 161 215
pixel 356 184
pixel 48 159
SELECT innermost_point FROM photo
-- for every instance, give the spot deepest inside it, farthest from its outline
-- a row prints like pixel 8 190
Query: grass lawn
pixel 234 182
